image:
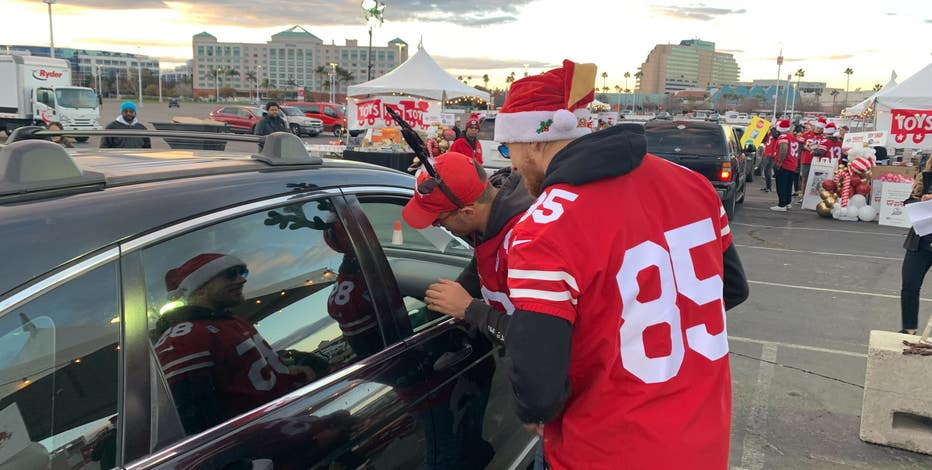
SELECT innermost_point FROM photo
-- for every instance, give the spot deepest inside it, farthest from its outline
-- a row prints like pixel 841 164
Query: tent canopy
pixel 914 93
pixel 419 76
pixel 860 107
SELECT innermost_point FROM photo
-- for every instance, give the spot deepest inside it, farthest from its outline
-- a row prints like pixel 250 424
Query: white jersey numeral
pixel 677 275
pixel 267 358
pixel 547 209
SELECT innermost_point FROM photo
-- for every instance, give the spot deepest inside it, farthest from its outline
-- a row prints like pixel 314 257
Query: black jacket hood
pixel 512 199
pixel 604 154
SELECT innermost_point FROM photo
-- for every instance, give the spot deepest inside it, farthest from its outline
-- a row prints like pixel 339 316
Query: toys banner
pixel 370 113
pixel 912 125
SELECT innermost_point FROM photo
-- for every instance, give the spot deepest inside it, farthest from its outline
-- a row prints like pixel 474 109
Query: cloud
pixel 474 13
pixel 698 13
pixel 487 63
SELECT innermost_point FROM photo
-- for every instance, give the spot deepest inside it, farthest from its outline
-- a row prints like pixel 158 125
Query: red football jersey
pixel 793 148
pixel 643 288
pixel 492 266
pixel 832 148
pixel 808 139
pixel 462 146
pixel 770 147
pixel 245 371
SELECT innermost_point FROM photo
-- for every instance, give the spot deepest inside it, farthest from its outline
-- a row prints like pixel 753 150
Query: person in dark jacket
pixel 918 258
pixel 126 120
pixel 271 122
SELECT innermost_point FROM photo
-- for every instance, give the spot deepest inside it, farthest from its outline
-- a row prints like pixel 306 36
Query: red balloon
pixel 862 188
pixel 855 181
pixel 829 185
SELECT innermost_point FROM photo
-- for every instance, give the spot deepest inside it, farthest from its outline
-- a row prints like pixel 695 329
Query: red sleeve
pixel 184 350
pixel 461 146
pixel 724 229
pixel 540 276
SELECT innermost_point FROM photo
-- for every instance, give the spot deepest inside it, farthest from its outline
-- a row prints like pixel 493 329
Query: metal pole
pixel 370 54
pixel 776 92
pixel 793 106
pixel 139 69
pixel 258 78
pixel 51 34
pixel 118 83
pixel 160 84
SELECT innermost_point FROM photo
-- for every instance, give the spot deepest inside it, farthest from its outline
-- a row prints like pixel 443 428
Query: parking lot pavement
pixel 799 344
pixel 153 111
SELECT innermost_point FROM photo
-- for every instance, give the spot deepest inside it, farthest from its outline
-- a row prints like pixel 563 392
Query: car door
pixel 474 421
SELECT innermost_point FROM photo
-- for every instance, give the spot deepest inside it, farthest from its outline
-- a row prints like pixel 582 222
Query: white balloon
pixel 836 211
pixel 858 201
pixel 867 214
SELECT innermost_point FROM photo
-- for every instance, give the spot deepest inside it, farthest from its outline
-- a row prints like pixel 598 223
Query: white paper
pixel 920 215
pixel 818 172
pixel 891 204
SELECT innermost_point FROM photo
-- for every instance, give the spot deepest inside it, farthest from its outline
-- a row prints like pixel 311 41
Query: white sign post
pixel 892 212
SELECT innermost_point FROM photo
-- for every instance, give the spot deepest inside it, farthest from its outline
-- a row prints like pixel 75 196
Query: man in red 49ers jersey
pixel 620 287
pixel 217 364
pixel 787 160
pixel 490 209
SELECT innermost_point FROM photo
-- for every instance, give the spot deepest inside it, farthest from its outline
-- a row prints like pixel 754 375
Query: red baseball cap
pixel 464 177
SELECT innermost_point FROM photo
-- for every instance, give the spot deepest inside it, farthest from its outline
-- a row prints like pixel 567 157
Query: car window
pixel 328 111
pixel 59 359
pixel 679 138
pixel 45 97
pixel 249 309
pixel 417 257
pixel 312 108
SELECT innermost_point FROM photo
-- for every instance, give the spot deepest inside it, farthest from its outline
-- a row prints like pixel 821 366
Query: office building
pixel 292 59
pixel 84 62
pixel 690 64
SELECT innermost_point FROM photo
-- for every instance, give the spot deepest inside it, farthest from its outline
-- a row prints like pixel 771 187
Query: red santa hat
pixel 819 124
pixel 784 125
pixel 830 128
pixel 473 121
pixel 195 272
pixel 541 108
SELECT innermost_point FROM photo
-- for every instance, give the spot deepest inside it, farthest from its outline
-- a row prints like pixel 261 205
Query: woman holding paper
pixel 918 257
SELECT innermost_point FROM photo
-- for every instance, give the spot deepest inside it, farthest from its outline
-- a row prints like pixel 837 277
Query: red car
pixel 239 118
pixel 333 115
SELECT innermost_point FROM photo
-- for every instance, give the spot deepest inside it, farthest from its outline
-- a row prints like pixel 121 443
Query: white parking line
pixel 803 347
pixel 824 253
pixel 833 291
pixel 852 232
pixel 752 449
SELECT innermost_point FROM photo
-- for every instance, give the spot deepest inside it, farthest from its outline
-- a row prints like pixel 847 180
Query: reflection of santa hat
pixel 784 125
pixel 540 108
pixel 830 128
pixel 195 272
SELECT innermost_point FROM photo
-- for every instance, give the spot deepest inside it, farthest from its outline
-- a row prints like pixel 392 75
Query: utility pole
pixel 139 69
pixel 776 93
pixel 51 34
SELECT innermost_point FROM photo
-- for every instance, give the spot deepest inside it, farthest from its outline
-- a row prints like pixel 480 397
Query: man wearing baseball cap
pixel 483 210
pixel 208 355
pixel 620 274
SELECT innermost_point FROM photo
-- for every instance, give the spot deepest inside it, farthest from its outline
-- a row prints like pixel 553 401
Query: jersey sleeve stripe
pixel 185 370
pixel 726 230
pixel 186 359
pixel 721 211
pixel 544 276
pixel 541 295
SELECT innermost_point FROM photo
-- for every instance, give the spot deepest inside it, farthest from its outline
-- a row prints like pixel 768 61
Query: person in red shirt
pixel 787 161
pixel 469 144
pixel 770 153
pixel 618 341
pixel 217 364
pixel 830 145
pixel 810 141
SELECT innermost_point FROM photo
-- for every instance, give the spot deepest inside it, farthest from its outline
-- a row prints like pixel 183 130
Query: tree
pixel 848 72
pixel 604 79
pixel 877 87
pixel 834 94
pixel 485 79
pixel 251 80
pixel 637 83
pixel 227 92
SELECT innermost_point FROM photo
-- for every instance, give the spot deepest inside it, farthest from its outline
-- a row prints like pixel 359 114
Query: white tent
pixel 419 76
pixel 860 107
pixel 913 93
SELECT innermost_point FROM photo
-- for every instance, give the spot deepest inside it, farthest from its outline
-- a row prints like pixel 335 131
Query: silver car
pixel 301 124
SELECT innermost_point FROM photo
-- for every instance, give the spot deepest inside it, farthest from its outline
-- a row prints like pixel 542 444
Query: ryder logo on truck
pixel 43 74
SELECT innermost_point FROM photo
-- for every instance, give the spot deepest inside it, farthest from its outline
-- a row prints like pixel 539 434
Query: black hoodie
pixel 539 344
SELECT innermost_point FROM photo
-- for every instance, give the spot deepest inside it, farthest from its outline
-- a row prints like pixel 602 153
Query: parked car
pixel 300 124
pixel 333 115
pixel 332 289
pixel 708 148
pixel 241 119
pixel 173 103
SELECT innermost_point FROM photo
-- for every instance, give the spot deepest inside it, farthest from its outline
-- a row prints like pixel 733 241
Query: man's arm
pixel 735 290
pixel 539 346
pixel 782 150
pixel 486 319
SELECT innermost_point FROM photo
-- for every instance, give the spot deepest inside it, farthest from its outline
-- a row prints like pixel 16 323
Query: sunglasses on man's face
pixel 430 184
pixel 503 149
pixel 235 273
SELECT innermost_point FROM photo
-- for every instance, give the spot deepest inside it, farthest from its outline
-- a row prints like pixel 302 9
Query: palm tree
pixel 799 75
pixel 834 94
pixel 485 78
pixel 343 76
pixel 604 78
pixel 217 76
pixel 637 78
pixel 877 87
pixel 251 79
pixel 848 72
pixel 460 78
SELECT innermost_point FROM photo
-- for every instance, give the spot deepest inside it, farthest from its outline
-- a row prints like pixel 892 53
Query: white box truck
pixel 37 90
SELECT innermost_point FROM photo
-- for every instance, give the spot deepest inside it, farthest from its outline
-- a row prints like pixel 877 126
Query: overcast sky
pixel 499 36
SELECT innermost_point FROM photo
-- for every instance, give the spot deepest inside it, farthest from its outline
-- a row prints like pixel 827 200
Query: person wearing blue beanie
pixel 126 120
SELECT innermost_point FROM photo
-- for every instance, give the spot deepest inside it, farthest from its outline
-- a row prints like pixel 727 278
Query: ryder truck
pixel 37 90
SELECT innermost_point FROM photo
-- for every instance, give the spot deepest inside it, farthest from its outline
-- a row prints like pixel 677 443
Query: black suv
pixel 95 245
pixel 709 148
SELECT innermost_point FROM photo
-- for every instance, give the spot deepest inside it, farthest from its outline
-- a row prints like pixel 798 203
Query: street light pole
pixel 160 84
pixel 98 79
pixel 51 35
pixel 333 74
pixel 258 79
pixel 374 16
pixel 217 82
pixel 139 72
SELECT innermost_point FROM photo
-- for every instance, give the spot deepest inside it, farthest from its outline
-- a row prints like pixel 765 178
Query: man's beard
pixel 533 182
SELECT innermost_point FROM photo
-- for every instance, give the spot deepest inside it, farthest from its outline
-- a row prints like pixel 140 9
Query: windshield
pixel 685 140
pixel 290 111
pixel 76 98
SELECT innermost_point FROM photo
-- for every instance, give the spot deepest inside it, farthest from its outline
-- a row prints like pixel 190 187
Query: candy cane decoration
pixel 846 191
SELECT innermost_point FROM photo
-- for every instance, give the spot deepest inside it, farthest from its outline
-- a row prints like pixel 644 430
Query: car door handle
pixel 452 358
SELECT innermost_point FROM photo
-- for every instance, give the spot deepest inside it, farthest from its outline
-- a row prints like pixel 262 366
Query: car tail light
pixel 725 174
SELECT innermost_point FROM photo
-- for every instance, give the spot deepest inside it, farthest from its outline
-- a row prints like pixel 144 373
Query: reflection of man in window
pixel 349 302
pixel 217 364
